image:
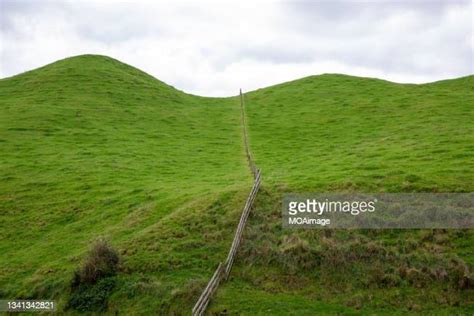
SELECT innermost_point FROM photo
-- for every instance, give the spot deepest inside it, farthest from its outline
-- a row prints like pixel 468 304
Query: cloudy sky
pixel 215 48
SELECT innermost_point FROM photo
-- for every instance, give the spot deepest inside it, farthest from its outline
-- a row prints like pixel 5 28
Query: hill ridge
pixel 134 73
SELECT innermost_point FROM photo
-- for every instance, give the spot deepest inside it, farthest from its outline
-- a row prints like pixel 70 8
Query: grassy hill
pixel 341 133
pixel 91 147
pixel 335 132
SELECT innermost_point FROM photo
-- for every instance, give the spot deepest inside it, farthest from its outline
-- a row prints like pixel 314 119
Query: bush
pixel 94 281
pixel 101 262
pixel 92 298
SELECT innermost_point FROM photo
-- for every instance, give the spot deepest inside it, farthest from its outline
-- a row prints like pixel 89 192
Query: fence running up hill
pixel 252 165
pixel 223 270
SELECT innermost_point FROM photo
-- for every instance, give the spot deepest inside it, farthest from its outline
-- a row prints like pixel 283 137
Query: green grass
pixel 369 272
pixel 91 147
pixel 342 133
pixel 334 132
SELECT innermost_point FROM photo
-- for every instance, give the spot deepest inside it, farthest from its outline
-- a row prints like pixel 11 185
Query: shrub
pixel 92 298
pixel 101 262
pixel 94 281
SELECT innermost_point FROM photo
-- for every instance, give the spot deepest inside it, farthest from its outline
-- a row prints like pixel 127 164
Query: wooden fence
pixel 201 305
pixel 223 270
pixel 252 165
pixel 240 228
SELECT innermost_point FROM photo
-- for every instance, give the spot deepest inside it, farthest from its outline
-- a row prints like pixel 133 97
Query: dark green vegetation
pixel 91 147
pixel 94 281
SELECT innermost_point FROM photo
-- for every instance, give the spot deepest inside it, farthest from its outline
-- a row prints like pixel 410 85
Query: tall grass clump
pixel 94 281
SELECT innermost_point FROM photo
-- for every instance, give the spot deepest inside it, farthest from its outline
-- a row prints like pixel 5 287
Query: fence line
pixel 252 165
pixel 223 270
pixel 201 305
pixel 240 228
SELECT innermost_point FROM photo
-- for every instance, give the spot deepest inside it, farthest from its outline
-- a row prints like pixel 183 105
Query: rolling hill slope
pixel 334 132
pixel 92 147
pixel 341 133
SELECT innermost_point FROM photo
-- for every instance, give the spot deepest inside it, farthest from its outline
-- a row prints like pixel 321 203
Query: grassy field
pixel 91 147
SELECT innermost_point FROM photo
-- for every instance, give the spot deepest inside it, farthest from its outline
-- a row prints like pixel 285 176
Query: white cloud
pixel 215 48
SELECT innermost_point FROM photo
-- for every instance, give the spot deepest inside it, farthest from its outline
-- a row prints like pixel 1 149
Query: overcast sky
pixel 215 48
